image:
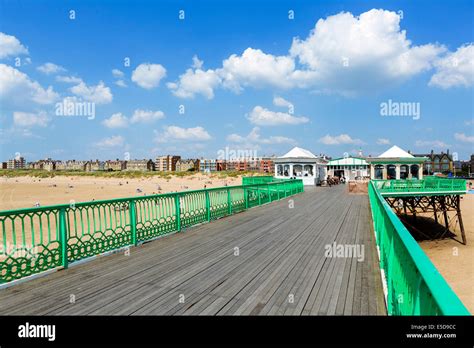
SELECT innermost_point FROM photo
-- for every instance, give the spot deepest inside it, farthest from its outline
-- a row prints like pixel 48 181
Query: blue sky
pixel 247 75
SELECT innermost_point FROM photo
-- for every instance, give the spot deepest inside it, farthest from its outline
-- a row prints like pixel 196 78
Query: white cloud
pixel 69 79
pixel 339 140
pixel 113 141
pixel 117 73
pixel 455 69
pixel 50 68
pixel 146 116
pixel 11 46
pixel 194 82
pixel 431 143
pixel 99 94
pixel 383 141
pixel 26 119
pixel 264 117
pixel 197 63
pixel 148 76
pixel 350 53
pixel 175 133
pixel 464 138
pixel 17 87
pixel 121 83
pixel 254 138
pixel 279 101
pixel 117 120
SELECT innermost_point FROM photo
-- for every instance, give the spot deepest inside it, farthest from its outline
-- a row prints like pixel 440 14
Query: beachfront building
pixel 212 165
pixel 95 166
pixel 16 163
pixel 396 163
pixel 47 164
pixel 351 168
pixel 437 162
pixel 187 165
pixel 141 165
pixel 166 163
pixel 71 165
pixel 116 165
pixel 301 164
pixel 257 164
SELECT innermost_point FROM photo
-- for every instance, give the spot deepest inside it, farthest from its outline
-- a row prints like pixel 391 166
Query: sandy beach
pixel 25 192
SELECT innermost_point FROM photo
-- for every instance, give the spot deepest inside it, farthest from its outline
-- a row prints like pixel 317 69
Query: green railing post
pixel 178 212
pixel 208 206
pixel 246 198
pixel 63 237
pixel 269 193
pixel 229 202
pixel 259 197
pixel 133 222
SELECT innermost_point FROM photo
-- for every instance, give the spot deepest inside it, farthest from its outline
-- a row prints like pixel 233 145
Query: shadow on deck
pixel 268 260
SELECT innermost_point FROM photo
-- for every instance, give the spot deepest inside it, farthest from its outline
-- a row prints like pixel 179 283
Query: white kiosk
pixel 301 164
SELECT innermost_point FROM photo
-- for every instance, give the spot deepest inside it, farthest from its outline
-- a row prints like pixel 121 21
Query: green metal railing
pixel 414 285
pixel 34 240
pixel 260 179
pixel 429 186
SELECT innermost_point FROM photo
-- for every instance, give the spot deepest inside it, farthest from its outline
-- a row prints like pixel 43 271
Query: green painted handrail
pixel 33 240
pixel 414 285
pixel 423 187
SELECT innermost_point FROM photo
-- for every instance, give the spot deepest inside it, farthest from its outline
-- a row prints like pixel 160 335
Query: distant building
pixel 187 165
pixel 471 165
pixel 71 165
pixel 437 163
pixel 166 163
pixel 116 165
pixel 4 165
pixel 95 166
pixel 261 165
pixel 212 165
pixel 46 164
pixel 16 163
pixel 141 165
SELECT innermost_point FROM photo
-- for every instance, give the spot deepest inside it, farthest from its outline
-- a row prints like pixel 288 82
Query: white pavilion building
pixel 396 164
pixel 299 163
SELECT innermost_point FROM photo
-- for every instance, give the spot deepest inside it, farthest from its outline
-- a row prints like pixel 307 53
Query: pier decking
pixel 267 260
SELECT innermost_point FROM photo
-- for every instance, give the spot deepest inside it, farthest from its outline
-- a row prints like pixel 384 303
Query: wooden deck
pixel 280 269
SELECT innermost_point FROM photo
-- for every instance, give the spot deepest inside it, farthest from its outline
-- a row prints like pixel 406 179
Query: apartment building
pixel 187 165
pixel 166 163
pixel 141 165
pixel 16 163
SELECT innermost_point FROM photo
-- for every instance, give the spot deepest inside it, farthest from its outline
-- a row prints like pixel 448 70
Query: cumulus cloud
pixel 117 73
pixel 69 79
pixel 99 94
pixel 26 119
pixel 17 87
pixel 383 141
pixel 121 83
pixel 264 117
pixel 50 68
pixel 455 69
pixel 343 48
pixel 148 75
pixel 339 140
pixel 11 46
pixel 175 133
pixel 113 141
pixel 464 138
pixel 146 116
pixel 344 54
pixel 117 120
pixel 279 101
